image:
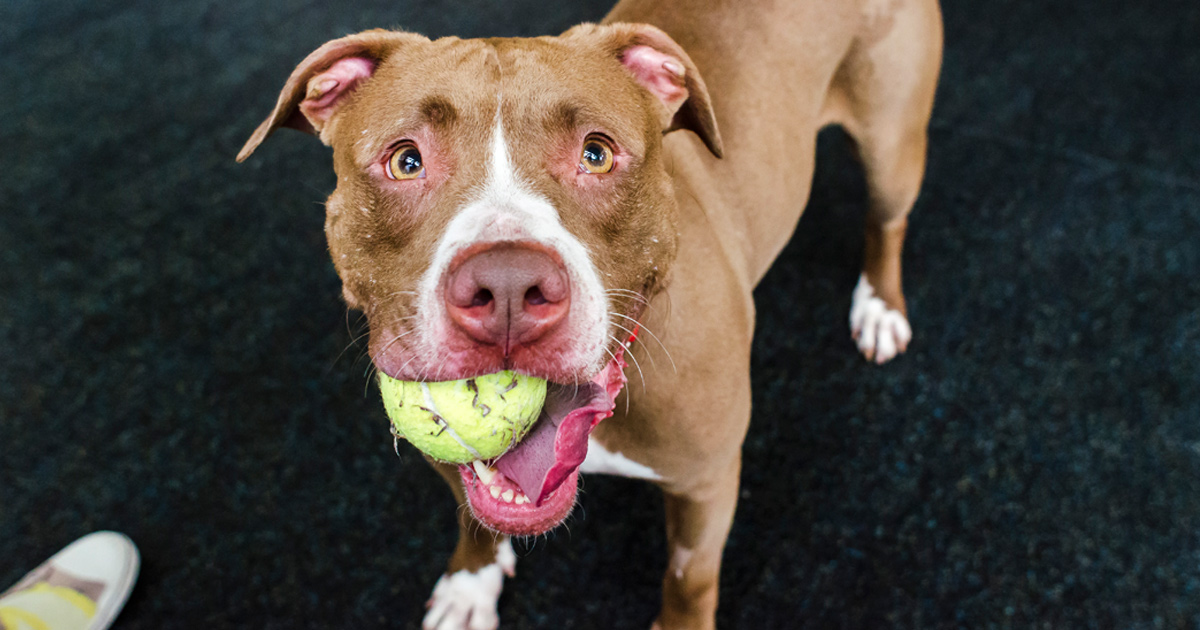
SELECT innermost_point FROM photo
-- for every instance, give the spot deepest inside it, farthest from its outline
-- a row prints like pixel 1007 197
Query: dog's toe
pixel 466 600
pixel 881 332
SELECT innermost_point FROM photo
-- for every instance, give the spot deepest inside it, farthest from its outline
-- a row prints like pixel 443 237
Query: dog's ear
pixel 321 83
pixel 661 66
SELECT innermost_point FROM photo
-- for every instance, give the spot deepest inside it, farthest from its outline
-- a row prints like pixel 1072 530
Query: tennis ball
pixel 461 421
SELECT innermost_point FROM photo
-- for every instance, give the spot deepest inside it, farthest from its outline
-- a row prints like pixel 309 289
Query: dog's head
pixel 502 203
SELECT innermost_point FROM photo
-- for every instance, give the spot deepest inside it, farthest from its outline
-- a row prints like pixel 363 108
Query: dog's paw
pixel 880 331
pixel 466 600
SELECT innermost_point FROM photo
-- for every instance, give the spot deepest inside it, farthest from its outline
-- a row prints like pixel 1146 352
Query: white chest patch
pixel 601 460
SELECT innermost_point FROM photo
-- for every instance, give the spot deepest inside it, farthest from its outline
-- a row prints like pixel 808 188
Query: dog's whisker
pixel 348 331
pixel 364 332
pixel 407 363
pixel 354 337
pixel 624 299
pixel 628 294
pixel 637 364
pixel 397 338
pixel 352 343
pixel 625 302
pixel 367 378
pixel 641 374
pixel 654 337
pixel 616 325
pixel 628 299
pixel 392 296
pixel 463 510
pixel 365 354
pixel 629 346
pixel 373 369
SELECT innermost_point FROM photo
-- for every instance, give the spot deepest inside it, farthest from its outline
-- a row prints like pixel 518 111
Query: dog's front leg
pixel 698 522
pixel 465 597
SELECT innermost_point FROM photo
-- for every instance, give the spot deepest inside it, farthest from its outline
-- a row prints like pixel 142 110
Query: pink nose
pixel 508 295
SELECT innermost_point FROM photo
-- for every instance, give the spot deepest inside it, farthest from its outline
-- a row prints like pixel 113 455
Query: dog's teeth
pixel 495 492
pixel 486 473
pixel 507 496
pixel 521 499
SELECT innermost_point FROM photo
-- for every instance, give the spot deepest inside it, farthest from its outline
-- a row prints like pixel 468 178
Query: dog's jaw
pixel 522 492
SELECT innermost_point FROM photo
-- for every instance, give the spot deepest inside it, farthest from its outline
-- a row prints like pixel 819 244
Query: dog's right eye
pixel 596 158
pixel 406 163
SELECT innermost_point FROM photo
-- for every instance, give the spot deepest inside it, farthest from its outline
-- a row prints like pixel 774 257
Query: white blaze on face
pixel 504 209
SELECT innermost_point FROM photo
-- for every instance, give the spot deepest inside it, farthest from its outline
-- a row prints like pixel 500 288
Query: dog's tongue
pixel 557 444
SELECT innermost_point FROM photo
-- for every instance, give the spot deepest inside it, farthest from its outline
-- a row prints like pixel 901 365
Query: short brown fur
pixel 692 232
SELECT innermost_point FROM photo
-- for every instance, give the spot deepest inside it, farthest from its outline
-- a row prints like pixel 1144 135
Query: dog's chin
pixel 490 507
pixel 531 488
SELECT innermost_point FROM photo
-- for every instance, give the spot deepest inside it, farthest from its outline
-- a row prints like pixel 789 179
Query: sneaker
pixel 82 587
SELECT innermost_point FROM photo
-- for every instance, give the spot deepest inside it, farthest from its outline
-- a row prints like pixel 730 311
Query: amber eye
pixel 596 157
pixel 406 163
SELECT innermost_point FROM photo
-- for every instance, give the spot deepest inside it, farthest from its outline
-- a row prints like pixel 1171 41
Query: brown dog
pixel 515 204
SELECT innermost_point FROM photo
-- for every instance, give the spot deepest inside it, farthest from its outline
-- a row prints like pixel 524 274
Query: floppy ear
pixel 662 67
pixel 320 85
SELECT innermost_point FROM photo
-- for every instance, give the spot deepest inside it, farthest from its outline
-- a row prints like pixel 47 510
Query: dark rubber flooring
pixel 175 361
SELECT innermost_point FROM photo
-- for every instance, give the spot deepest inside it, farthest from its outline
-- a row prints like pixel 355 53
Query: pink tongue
pixel 557 444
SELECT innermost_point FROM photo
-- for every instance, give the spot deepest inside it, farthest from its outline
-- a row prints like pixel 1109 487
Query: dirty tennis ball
pixel 461 421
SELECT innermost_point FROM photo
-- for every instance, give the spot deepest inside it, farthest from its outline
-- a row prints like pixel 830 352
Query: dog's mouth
pixel 531 488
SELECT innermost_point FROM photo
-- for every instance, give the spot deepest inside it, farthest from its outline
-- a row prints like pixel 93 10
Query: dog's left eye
pixel 596 156
pixel 406 163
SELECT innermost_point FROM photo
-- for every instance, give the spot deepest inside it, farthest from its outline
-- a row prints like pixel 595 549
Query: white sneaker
pixel 82 587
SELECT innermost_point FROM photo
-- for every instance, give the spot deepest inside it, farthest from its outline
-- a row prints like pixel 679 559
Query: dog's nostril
pixel 507 295
pixel 534 297
pixel 482 297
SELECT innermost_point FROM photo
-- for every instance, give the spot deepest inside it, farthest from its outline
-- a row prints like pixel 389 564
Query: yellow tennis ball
pixel 461 421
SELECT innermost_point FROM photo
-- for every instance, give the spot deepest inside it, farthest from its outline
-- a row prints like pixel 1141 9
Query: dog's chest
pixel 602 461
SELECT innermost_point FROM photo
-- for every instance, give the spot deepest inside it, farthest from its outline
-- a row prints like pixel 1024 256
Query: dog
pixel 568 206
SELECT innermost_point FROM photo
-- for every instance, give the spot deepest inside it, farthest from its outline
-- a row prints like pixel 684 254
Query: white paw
pixel 467 600
pixel 881 332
